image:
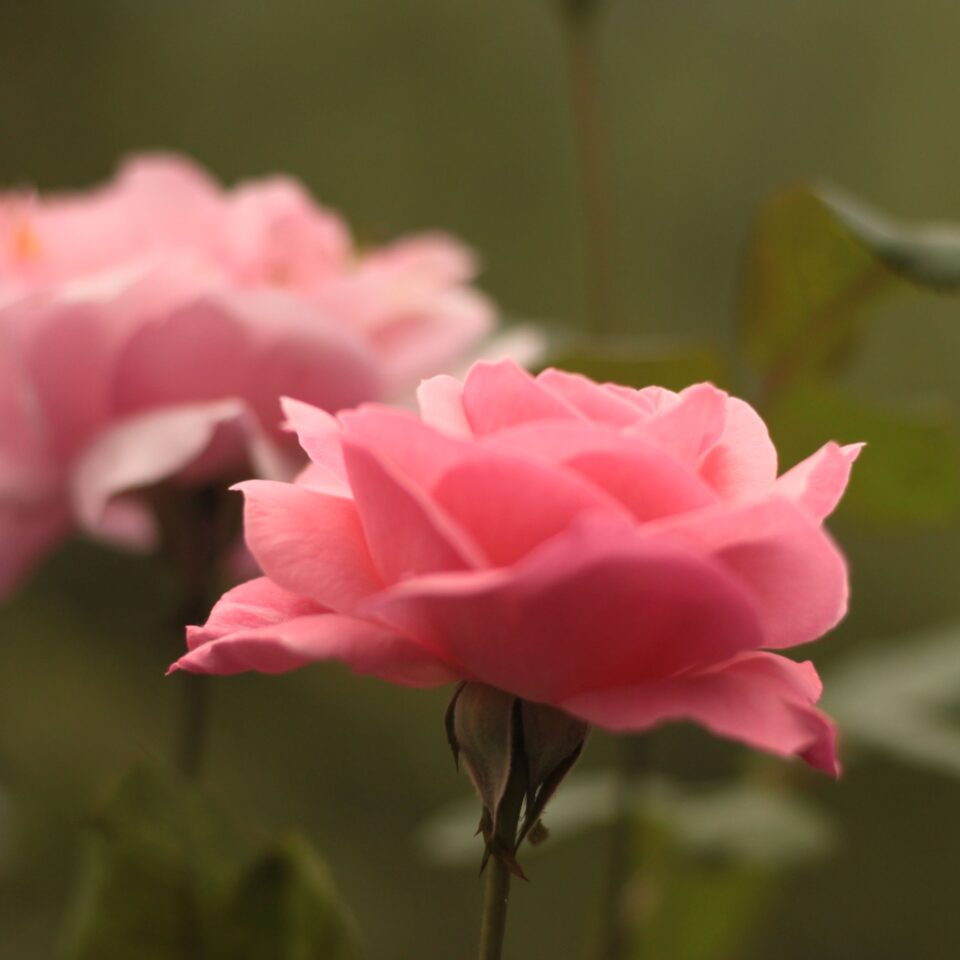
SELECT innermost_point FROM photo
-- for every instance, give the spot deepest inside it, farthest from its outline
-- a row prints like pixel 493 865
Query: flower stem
pixel 493 923
pixel 579 18
pixel 196 528
pixel 501 852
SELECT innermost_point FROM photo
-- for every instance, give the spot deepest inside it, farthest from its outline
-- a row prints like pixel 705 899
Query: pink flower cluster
pixel 148 327
pixel 629 556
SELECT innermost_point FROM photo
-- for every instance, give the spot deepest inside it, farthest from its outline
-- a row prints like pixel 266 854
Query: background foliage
pixel 452 113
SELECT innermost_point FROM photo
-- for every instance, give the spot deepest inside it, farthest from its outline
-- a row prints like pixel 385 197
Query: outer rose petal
pixel 433 336
pixel 762 699
pixel 309 542
pixel 817 483
pixel 498 395
pixel 319 435
pixel 744 462
pixel 595 607
pixel 791 567
pixel 145 449
pixel 258 626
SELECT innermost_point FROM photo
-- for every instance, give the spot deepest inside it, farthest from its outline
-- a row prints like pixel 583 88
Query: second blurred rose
pixel 148 327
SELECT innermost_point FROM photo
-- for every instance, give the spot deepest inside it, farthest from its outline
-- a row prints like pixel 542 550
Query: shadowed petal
pixel 259 626
pixel 761 699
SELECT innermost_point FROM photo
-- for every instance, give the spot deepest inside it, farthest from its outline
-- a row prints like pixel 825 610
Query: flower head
pixel 628 556
pixel 147 328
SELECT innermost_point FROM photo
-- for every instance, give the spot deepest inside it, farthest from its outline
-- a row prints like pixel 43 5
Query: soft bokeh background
pixel 408 114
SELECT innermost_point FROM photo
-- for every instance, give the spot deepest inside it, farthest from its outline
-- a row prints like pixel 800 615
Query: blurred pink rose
pixel 147 328
pixel 629 556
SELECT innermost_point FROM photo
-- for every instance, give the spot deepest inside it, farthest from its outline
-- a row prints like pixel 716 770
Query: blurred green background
pixel 411 114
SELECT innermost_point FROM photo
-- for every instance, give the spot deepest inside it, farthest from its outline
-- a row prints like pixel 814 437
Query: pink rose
pixel 629 556
pixel 147 328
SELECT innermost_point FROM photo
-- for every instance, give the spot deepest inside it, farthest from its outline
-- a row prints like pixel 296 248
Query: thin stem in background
pixel 197 527
pixel 579 19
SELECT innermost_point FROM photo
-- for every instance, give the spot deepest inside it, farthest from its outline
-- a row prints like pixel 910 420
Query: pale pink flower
pixel 629 556
pixel 147 328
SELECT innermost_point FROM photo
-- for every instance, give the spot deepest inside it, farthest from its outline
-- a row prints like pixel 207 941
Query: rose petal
pixel 593 400
pixel 142 450
pixel 817 483
pixel 309 542
pixel 689 427
pixel 646 479
pixel 498 395
pixel 744 461
pixel 441 405
pixel 510 505
pixel 790 566
pixel 594 608
pixel 258 626
pixel 761 699
pixel 408 534
pixel 319 435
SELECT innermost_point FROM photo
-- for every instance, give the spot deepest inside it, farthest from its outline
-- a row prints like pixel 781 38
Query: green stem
pixel 493 923
pixel 502 849
pixel 579 18
pixel 197 526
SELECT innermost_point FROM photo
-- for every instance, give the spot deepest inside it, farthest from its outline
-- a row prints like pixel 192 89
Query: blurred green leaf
pixel 286 908
pixel 815 259
pixel 640 363
pixel 163 880
pixel 742 821
pixel 903 698
pixel 708 864
pixel 156 864
pixel 910 469
pixel 698 909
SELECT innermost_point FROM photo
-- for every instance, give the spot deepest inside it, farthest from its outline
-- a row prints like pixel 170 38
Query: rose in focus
pixel 147 328
pixel 629 556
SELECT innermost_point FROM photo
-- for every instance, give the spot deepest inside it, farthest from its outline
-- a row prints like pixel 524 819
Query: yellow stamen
pixel 26 243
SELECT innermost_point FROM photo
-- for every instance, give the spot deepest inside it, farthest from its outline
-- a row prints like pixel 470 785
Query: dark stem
pixel 502 849
pixel 197 526
pixel 579 18
pixel 493 923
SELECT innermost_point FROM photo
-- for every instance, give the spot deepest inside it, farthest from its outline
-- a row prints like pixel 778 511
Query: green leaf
pixel 700 909
pixel 640 363
pixel 816 258
pixel 286 908
pixel 157 861
pixel 164 879
pixel 903 698
pixel 925 254
pixel 910 469
pixel 709 861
